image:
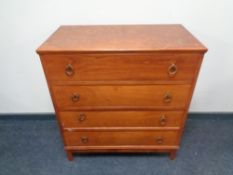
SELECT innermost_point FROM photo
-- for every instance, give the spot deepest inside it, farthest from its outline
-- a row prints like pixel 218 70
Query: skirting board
pixel 51 116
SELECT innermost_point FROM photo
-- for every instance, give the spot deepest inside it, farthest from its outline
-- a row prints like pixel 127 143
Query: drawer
pixel 118 96
pixel 89 119
pixel 115 138
pixel 106 67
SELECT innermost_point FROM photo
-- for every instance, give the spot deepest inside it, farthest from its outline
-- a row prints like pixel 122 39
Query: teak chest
pixel 121 88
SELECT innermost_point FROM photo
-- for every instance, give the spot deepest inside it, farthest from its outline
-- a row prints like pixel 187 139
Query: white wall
pixel 25 24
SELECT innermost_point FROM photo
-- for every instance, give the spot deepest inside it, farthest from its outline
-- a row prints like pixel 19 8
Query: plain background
pixel 25 24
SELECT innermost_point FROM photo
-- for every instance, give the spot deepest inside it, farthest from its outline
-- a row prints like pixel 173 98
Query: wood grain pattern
pixel 118 77
pixel 120 67
pixel 134 96
pixel 101 138
pixel 120 38
pixel 106 119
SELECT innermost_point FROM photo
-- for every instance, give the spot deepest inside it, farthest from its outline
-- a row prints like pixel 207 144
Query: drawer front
pixel 86 119
pixel 95 67
pixel 76 97
pixel 114 138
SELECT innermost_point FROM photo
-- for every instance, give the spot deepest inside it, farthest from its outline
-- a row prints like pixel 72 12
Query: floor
pixel 33 147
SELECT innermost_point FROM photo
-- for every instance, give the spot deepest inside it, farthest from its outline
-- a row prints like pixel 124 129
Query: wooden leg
pixel 172 154
pixel 69 155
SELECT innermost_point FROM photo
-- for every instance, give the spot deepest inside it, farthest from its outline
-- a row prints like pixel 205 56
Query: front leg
pixel 69 155
pixel 172 154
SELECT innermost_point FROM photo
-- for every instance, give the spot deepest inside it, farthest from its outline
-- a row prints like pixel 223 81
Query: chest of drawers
pixel 121 88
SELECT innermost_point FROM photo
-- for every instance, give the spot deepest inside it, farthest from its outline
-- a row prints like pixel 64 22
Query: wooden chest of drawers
pixel 122 88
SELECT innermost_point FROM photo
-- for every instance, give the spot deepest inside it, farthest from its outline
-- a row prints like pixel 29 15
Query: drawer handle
pixel 82 117
pixel 163 120
pixel 159 140
pixel 75 97
pixel 172 70
pixel 69 70
pixel 167 98
pixel 84 139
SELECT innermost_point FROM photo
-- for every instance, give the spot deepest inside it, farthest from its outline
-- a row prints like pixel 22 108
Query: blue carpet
pixel 34 147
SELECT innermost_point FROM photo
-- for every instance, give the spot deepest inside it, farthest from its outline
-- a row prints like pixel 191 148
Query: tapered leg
pixel 172 154
pixel 69 155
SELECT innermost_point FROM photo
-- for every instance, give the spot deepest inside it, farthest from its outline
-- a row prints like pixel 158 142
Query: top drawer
pixel 110 67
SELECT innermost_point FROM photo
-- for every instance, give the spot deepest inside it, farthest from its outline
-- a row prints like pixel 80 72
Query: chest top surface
pixel 120 38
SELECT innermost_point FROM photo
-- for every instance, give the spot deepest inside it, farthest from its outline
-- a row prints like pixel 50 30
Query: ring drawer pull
pixel 163 120
pixel 69 70
pixel 167 98
pixel 75 97
pixel 84 139
pixel 159 140
pixel 172 70
pixel 81 117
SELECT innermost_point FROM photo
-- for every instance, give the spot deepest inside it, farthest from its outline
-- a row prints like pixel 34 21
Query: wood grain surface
pixel 121 88
pixel 120 38
pixel 121 67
